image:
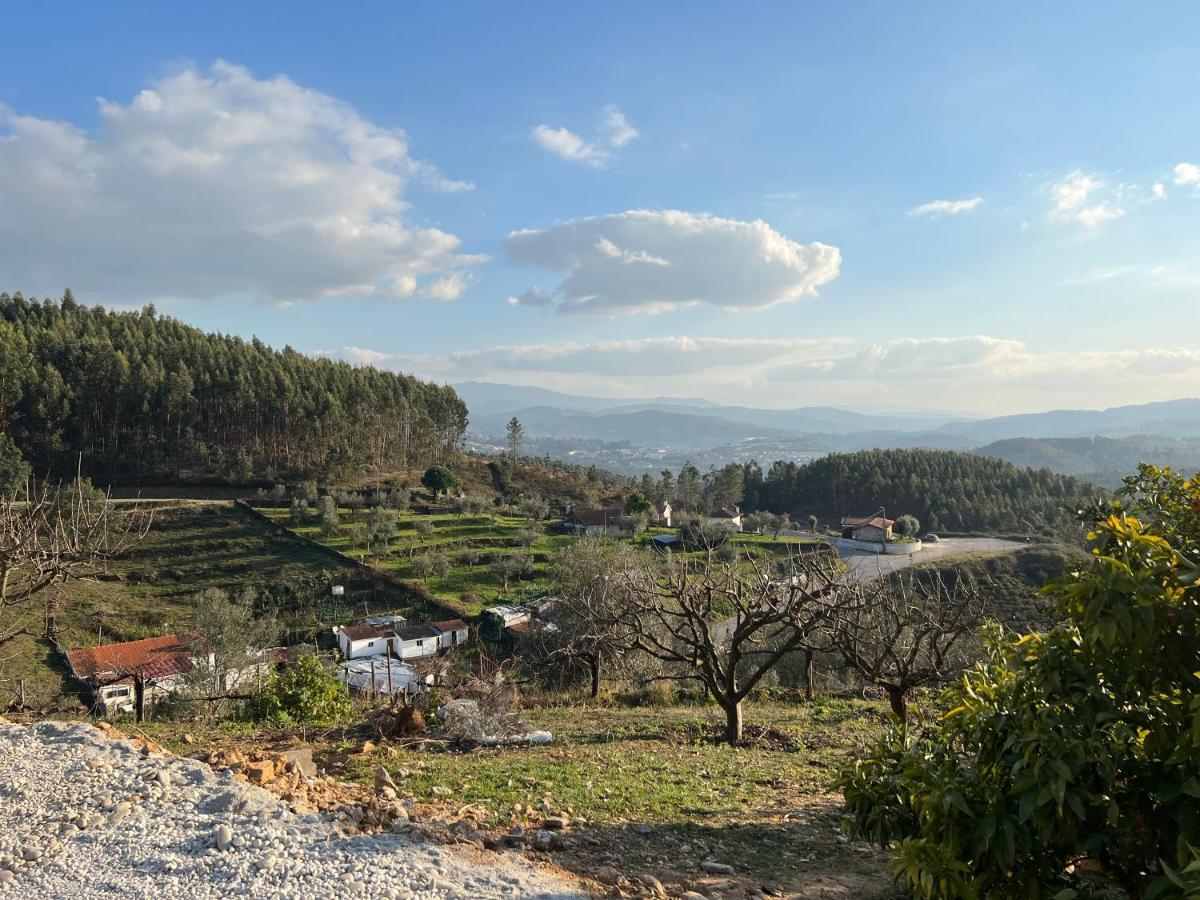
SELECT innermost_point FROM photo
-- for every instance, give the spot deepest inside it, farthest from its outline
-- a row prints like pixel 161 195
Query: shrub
pixel 303 692
pixel 1080 743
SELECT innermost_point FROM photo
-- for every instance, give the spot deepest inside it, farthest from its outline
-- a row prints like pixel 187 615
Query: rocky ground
pixel 85 814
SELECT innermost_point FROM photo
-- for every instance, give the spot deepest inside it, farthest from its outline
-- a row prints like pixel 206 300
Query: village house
pixel 729 517
pixel 416 641
pixel 364 639
pixel 112 671
pixel 876 529
pixel 451 632
pixel 662 513
pixel 403 642
pixel 601 522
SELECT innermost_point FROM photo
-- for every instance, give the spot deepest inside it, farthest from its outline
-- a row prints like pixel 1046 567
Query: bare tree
pixel 590 628
pixel 728 624
pixel 64 532
pixel 908 632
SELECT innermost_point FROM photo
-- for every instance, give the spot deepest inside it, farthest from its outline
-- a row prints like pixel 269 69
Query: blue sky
pixel 1012 194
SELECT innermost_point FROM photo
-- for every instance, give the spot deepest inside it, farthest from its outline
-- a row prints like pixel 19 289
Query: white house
pixel 357 641
pixel 451 632
pixel 662 512
pixel 727 517
pixel 415 641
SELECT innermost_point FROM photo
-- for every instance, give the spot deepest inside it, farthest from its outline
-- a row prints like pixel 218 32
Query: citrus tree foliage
pixel 305 691
pixel 1079 743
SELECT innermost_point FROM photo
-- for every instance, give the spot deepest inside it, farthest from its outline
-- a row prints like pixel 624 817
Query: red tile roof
pixel 450 625
pixel 877 521
pixel 158 657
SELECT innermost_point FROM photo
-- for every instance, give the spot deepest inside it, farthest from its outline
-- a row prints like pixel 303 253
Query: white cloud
pixel 1072 201
pixel 1187 173
pixel 616 128
pixel 1158 190
pixel 657 260
pixel 567 144
pixel 946 207
pixel 614 132
pixel 213 183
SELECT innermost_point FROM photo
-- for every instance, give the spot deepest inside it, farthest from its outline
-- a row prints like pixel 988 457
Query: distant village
pixel 386 655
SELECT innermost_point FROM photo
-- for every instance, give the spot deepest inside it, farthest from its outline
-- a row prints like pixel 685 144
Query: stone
pixel 300 759
pixel 555 823
pixel 693 895
pixel 259 771
pixel 716 868
pixel 384 780
pixel 608 875
pixel 223 837
pixel 367 748
pixel 189 738
pixel 164 777
pixel 544 839
pixel 29 854
pixel 439 791
pixel 6 876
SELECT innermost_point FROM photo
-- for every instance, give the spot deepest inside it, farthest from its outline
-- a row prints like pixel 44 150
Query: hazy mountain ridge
pixel 635 435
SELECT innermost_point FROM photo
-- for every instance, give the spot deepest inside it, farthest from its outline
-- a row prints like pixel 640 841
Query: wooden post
pixel 374 693
pixel 391 692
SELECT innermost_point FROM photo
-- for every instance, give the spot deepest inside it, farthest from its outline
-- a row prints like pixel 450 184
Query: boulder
pixel 301 760
pixel 259 771
pixel 716 868
pixel 223 837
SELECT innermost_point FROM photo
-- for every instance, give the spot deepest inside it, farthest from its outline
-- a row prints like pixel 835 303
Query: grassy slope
pixel 493 533
pixel 189 547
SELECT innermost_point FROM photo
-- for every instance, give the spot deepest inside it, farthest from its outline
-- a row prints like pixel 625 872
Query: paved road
pixel 869 566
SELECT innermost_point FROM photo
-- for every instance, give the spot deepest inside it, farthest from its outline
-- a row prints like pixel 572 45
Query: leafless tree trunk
pixel 729 623
pixel 909 631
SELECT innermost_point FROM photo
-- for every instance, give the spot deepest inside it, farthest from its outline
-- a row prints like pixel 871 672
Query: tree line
pixel 143 396
pixel 943 489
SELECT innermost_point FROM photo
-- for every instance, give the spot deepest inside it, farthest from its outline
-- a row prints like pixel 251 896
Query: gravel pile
pixel 85 816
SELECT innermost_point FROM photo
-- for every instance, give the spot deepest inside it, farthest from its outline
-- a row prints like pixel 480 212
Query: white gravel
pixel 85 816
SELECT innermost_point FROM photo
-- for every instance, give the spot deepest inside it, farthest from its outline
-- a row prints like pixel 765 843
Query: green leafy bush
pixel 1079 743
pixel 305 691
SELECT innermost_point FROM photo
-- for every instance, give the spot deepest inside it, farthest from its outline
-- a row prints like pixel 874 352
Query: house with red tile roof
pixel 113 671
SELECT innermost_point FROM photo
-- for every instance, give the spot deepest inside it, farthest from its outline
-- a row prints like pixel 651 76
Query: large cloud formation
pixel 216 184
pixel 654 261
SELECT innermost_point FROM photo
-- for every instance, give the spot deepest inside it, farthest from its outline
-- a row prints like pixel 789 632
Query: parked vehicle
pixel 931 538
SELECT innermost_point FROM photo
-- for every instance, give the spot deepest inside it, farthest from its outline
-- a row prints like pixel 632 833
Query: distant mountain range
pixel 642 434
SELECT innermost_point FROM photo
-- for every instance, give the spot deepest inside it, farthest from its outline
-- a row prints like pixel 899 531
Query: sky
pixel 986 209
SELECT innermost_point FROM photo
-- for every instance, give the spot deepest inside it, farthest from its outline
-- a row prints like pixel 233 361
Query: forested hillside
pixel 943 489
pixel 1103 461
pixel 143 396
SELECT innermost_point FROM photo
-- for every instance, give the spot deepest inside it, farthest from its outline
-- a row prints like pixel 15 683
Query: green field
pixel 190 547
pixel 471 544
